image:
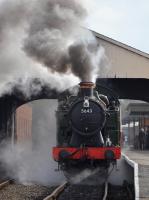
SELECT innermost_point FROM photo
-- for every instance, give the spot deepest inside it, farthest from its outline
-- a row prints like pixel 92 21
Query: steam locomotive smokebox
pixel 86 89
pixel 87 115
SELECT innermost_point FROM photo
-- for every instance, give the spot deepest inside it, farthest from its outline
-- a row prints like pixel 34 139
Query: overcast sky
pixel 124 20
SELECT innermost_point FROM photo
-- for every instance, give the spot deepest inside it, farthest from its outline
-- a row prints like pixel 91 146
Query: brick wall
pixel 24 123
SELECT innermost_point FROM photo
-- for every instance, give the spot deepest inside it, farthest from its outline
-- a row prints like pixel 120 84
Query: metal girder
pixel 127 88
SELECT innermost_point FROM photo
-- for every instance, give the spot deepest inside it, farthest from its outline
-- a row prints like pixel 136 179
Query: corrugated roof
pixel 120 44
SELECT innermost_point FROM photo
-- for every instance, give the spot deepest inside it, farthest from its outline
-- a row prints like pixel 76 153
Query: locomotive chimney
pixel 86 89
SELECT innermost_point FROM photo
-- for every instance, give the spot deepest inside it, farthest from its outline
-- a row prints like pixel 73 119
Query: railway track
pixel 65 191
pixel 105 191
pixel 79 192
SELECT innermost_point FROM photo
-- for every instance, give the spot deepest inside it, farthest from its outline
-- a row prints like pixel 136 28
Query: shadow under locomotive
pixel 88 129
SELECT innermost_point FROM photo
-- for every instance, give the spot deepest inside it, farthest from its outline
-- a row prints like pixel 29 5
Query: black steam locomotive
pixel 88 128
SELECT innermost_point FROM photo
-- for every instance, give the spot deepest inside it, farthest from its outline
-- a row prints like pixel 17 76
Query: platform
pixel 140 161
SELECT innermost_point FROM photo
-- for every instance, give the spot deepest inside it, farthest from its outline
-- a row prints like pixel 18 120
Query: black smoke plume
pixel 57 40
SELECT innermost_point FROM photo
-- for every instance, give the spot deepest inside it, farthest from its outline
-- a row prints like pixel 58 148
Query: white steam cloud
pixel 28 163
pixel 46 40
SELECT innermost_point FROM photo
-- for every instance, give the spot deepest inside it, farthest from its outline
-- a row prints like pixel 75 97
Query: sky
pixel 124 20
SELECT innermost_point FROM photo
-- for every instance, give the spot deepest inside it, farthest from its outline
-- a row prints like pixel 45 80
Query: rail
pixel 105 191
pixel 4 184
pixel 56 192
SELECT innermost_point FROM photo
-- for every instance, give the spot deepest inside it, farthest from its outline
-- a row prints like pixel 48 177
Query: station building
pixel 123 61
